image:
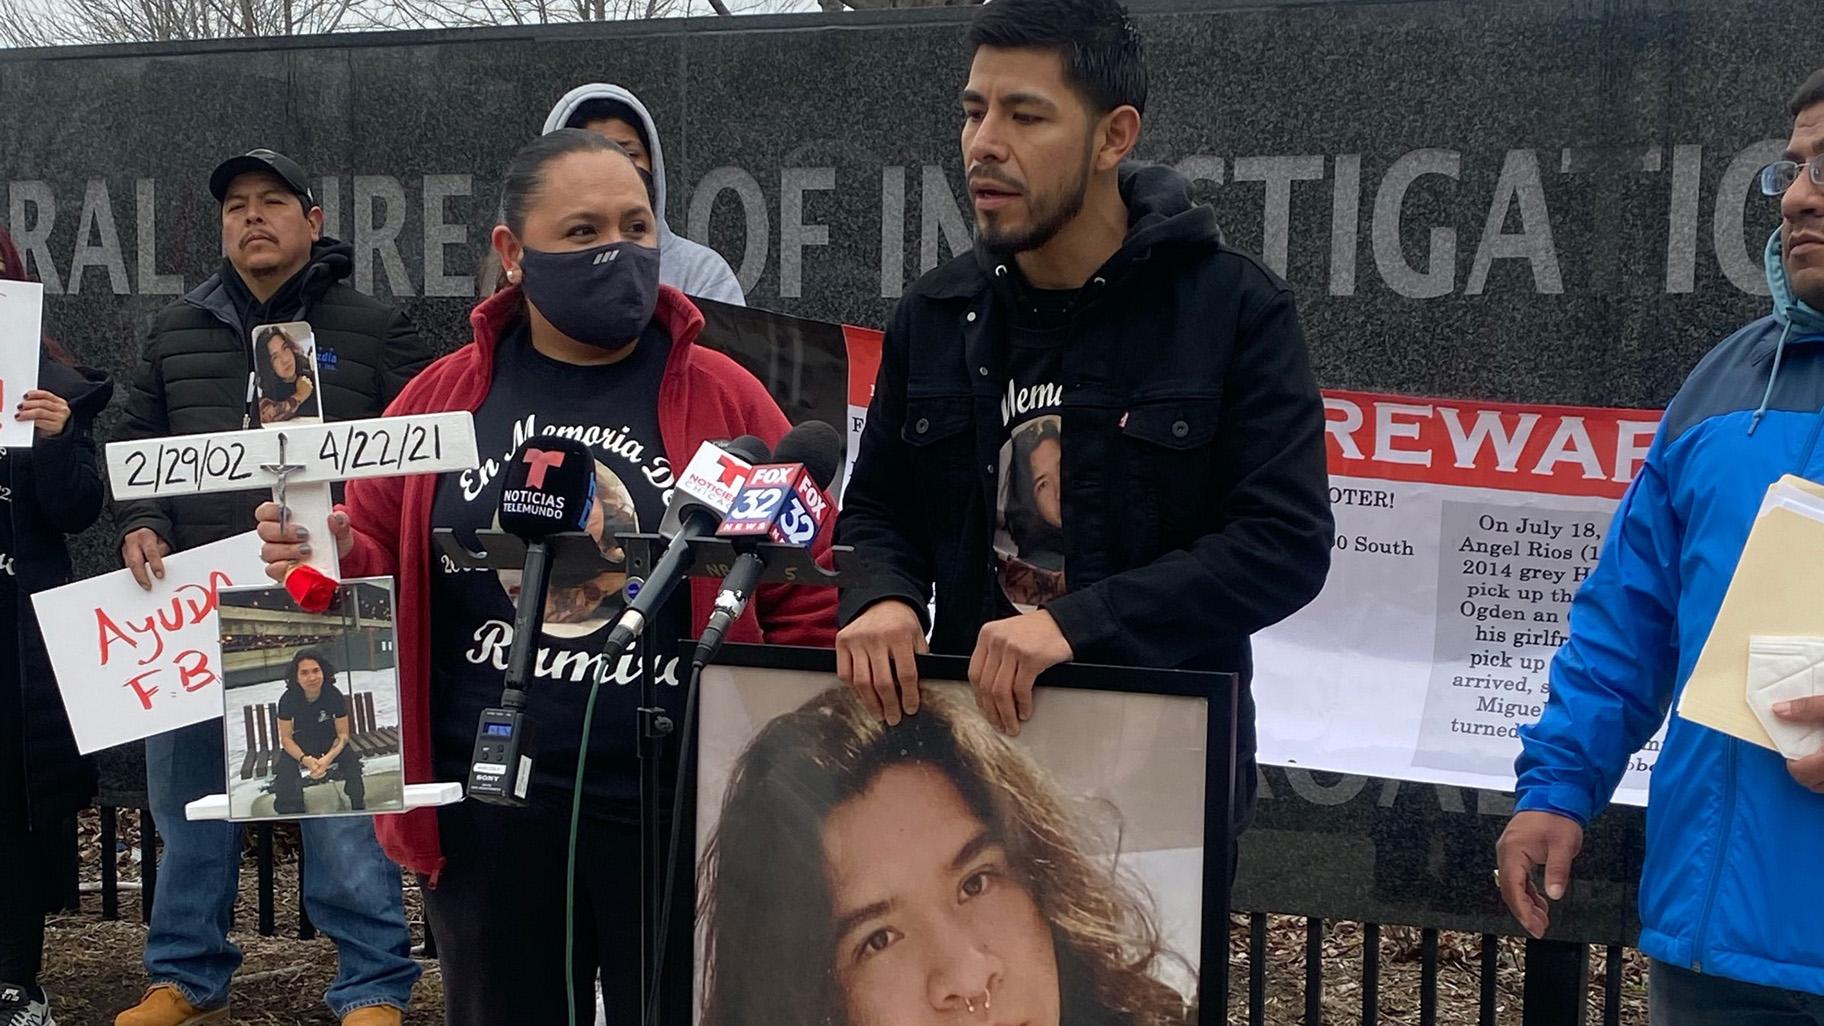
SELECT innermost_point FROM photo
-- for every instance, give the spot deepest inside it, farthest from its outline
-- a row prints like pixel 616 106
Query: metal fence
pixel 1555 988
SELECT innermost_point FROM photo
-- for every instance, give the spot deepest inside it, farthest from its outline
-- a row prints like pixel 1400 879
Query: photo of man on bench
pixel 314 736
pixel 311 704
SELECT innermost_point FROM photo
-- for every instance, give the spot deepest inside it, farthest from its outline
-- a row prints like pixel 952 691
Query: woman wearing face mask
pixel 585 342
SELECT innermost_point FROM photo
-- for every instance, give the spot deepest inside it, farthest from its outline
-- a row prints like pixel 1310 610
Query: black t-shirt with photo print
pixel 1029 502
pixel 313 724
pixel 614 410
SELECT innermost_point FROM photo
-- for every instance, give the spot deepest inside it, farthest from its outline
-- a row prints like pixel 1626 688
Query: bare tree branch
pixel 54 22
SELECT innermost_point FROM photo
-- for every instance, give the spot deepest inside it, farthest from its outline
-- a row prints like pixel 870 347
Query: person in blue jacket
pixel 1731 895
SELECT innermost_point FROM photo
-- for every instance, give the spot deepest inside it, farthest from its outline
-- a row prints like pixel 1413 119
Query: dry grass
pixel 93 968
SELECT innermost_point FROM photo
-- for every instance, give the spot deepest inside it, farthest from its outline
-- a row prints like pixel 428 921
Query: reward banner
pixel 1463 531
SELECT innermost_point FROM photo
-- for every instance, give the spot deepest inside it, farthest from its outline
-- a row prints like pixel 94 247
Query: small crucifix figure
pixel 283 471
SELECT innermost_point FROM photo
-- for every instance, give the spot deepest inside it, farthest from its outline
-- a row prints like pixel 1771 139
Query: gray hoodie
pixel 692 268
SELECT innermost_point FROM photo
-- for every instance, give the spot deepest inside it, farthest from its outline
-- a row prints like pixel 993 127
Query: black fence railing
pixel 1555 978
pixel 1555 974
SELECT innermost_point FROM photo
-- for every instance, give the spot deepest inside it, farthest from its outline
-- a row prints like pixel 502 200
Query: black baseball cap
pixel 263 160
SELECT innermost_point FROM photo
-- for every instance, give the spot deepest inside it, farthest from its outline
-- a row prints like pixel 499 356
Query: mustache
pixel 980 174
pixel 247 237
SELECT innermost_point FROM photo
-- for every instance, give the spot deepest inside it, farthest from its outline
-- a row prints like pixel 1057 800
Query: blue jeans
pixel 351 889
pixel 1679 997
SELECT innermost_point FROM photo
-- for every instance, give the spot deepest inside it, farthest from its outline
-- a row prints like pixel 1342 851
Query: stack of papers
pixel 1767 644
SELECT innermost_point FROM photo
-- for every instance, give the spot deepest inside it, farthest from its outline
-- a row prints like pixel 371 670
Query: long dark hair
pixel 12 268
pixel 291 675
pixel 765 890
pixel 301 363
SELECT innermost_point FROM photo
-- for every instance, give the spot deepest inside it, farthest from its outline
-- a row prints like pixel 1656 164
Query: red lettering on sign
pixel 145 693
pixel 108 632
pixel 197 675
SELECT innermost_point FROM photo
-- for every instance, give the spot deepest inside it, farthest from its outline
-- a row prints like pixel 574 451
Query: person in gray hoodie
pixel 691 267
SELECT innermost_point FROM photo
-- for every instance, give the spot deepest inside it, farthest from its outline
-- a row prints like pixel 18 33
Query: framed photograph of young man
pixel 852 872
pixel 311 703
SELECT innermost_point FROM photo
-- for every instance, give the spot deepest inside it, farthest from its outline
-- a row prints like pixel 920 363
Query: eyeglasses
pixel 1780 175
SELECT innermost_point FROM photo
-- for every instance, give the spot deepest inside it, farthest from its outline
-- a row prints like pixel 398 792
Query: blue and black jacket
pixel 1732 883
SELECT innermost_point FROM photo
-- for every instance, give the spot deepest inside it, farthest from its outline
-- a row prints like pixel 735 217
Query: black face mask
pixel 602 297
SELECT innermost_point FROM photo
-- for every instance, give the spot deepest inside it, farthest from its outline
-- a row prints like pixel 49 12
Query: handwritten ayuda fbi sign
pixel 133 663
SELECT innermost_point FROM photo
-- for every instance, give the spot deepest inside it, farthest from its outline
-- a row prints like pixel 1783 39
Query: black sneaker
pixel 18 1009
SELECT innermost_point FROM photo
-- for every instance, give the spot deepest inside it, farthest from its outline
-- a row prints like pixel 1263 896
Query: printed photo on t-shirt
pixel 1029 522
pixel 311 703
pixel 584 599
pixel 287 385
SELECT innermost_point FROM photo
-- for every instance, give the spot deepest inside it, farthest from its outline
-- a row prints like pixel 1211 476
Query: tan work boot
pixel 164 1005
pixel 374 1015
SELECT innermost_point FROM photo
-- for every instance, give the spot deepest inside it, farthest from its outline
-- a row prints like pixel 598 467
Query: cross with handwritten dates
pixel 297 462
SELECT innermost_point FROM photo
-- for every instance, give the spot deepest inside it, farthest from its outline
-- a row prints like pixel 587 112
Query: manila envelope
pixel 1774 592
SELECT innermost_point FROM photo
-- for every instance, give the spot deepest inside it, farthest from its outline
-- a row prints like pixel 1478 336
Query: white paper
pixel 1782 670
pixel 133 663
pixel 21 327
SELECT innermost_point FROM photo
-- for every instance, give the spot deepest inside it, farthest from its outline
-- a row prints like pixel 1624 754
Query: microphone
pixel 548 488
pixel 784 503
pixel 704 493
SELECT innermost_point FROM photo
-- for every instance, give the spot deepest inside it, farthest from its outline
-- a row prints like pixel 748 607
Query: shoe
pixel 163 1005
pixel 280 808
pixel 374 1015
pixel 18 1009
pixel 357 804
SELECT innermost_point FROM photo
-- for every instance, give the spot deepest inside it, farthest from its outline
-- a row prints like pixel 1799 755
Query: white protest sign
pixel 21 326
pixel 133 663
pixel 286 457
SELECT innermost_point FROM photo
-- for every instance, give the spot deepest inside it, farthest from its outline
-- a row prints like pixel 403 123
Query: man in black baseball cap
pixel 194 376
pixel 261 161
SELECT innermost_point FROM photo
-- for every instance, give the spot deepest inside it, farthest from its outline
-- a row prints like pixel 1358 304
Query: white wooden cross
pixel 283 458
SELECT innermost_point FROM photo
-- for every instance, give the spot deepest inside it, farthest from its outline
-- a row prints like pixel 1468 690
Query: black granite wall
pixel 1534 200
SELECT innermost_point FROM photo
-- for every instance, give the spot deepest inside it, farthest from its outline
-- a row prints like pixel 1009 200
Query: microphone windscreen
pixel 817 446
pixel 747 447
pixel 547 487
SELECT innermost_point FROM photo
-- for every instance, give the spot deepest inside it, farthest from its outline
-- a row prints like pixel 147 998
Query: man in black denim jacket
pixel 1097 436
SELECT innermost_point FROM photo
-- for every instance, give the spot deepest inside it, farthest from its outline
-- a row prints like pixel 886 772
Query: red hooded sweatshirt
pixel 702 395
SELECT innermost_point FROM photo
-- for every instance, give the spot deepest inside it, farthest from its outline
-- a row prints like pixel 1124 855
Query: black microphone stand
pixel 654 726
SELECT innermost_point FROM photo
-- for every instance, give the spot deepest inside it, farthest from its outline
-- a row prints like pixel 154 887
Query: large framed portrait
pixel 852 873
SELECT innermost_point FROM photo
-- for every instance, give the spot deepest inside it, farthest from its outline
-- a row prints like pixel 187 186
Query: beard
pixel 1049 213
